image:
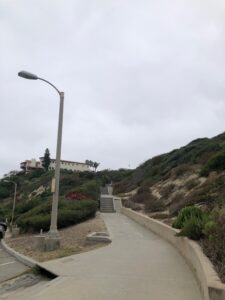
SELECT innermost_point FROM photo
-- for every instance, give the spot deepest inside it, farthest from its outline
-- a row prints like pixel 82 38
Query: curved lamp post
pixel 54 214
pixel 14 200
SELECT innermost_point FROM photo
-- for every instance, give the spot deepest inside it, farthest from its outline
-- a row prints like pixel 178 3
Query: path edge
pixel 210 284
pixel 28 261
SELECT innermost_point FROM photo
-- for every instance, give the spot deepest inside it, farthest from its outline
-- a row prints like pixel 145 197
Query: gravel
pixel 72 241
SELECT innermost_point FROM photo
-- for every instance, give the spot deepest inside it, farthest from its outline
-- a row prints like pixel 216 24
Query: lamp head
pixel 27 75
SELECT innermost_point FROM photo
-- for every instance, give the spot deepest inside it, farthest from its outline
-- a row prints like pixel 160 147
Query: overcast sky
pixel 141 77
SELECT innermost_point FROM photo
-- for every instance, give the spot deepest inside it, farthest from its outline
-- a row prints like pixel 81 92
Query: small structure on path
pixel 108 202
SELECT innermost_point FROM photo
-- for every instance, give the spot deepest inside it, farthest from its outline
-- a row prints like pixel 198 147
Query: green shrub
pixel 186 214
pixel 214 248
pixel 4 192
pixel 143 194
pixel 34 223
pixel 5 212
pixel 209 228
pixel 90 188
pixel 69 213
pixel 154 205
pixel 215 163
pixel 181 170
pixel 25 206
pixel 35 174
pixel 192 228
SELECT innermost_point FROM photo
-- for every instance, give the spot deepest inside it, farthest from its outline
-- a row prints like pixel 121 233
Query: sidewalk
pixel 138 265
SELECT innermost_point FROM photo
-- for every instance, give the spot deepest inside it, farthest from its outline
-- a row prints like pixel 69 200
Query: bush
pixel 192 228
pixel 76 196
pixel 216 163
pixel 4 192
pixel 180 170
pixel 186 214
pixel 90 188
pixel 35 174
pixel 34 223
pixel 142 195
pixel 154 205
pixel 70 213
pixel 214 248
pixel 209 228
pixel 24 207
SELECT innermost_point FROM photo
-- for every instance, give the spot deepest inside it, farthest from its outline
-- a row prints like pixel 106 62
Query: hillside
pixel 78 201
pixel 189 175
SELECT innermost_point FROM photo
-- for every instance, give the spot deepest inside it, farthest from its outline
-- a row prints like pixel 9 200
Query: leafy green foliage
pixel 214 243
pixel 175 163
pixel 92 164
pixel 70 213
pixel 209 228
pixel 4 192
pixel 154 205
pixel 186 214
pixel 46 160
pixel 192 228
pixel 215 163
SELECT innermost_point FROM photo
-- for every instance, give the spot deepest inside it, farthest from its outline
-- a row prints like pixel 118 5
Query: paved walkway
pixel 138 265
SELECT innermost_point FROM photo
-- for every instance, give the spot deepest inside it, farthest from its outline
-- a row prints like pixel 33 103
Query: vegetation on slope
pixel 79 195
pixel 207 154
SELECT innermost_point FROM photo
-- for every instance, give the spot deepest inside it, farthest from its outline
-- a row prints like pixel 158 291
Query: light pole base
pixel 15 231
pixel 46 243
pixel 53 233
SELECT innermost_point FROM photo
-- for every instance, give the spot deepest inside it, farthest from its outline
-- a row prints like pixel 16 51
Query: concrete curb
pixel 211 286
pixel 28 261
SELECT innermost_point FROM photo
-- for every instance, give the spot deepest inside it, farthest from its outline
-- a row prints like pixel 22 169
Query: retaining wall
pixel 209 282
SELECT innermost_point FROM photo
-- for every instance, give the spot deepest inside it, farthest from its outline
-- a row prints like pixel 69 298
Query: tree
pixel 46 160
pixel 88 162
pixel 95 165
pixel 92 164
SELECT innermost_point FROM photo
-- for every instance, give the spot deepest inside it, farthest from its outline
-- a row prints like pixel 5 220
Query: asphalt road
pixel 9 266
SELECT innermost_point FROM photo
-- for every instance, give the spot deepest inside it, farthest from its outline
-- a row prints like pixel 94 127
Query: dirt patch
pixel 72 241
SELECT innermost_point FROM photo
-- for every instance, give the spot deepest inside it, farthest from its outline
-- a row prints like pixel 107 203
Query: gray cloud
pixel 140 77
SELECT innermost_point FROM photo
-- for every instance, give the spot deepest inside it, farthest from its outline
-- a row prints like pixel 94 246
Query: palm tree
pixel 95 165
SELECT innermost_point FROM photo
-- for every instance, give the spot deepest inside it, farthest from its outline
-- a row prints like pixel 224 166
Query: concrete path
pixel 138 265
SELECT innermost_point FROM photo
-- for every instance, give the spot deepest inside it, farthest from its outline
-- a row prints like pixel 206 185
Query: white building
pixel 29 165
pixel 33 164
pixel 69 165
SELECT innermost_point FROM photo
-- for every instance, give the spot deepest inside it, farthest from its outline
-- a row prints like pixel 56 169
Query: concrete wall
pixel 208 280
pixel 106 190
pixel 117 204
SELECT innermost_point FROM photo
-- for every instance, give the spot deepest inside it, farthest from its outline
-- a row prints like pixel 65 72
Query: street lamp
pixel 53 232
pixel 14 200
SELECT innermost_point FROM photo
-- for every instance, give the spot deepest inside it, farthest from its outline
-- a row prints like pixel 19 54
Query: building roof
pixel 68 161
